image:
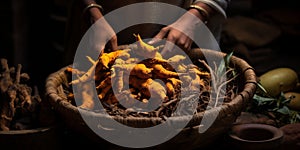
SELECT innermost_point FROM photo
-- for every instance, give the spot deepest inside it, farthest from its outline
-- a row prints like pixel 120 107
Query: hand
pixel 102 34
pixel 180 33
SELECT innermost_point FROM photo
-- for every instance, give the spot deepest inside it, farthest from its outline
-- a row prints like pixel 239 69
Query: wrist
pixel 93 6
pixel 202 11
pixel 93 12
pixel 198 15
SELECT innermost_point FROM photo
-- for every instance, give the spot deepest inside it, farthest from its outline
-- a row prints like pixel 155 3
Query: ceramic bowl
pixel 255 136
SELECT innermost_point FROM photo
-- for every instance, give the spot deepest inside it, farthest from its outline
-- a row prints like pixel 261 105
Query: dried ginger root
pixel 19 104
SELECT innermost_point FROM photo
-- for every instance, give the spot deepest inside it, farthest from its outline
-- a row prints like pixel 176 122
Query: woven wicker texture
pixel 190 135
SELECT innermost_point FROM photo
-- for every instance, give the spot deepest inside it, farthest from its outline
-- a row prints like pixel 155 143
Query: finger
pixel 158 37
pixel 167 48
pixel 189 45
pixel 154 40
pixel 184 44
pixel 114 43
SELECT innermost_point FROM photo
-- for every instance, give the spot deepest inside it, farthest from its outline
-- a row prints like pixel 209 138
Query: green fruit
pixel 295 100
pixel 279 80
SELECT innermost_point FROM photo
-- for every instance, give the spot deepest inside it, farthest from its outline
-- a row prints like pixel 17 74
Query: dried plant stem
pixel 165 105
pixel 219 89
pixel 18 74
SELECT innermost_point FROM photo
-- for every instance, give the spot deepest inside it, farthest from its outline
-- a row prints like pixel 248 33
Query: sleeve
pixel 219 5
pixel 215 22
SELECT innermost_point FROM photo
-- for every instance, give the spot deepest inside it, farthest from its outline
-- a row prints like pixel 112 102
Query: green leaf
pixel 224 63
pixel 263 99
pixel 284 110
pixel 261 88
pixel 286 101
pixel 298 116
pixel 227 58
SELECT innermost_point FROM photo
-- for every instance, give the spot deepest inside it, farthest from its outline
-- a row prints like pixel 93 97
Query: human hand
pixel 179 33
pixel 102 35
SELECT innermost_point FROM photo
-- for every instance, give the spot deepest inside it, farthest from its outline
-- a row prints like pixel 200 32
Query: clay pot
pixel 255 136
pixel 291 139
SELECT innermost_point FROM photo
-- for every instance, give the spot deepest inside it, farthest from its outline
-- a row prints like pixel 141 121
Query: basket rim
pixel 55 80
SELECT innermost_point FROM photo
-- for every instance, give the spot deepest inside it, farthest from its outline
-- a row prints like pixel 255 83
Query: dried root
pixel 18 102
pixel 150 82
pixel 144 49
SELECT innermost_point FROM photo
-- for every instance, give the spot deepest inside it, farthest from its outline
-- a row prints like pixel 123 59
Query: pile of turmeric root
pixel 19 102
pixel 138 78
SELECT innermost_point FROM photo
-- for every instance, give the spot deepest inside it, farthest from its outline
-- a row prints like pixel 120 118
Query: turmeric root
pixel 198 71
pixel 160 72
pixel 149 87
pixel 127 99
pixel 104 83
pixel 170 89
pixel 180 68
pixel 186 80
pixel 88 75
pixel 196 84
pixel 119 82
pixel 108 58
pixel 144 49
pixel 132 61
pixel 113 68
pixel 119 61
pixel 176 59
pixel 102 75
pixel 111 99
pixel 74 71
pixel 87 97
pixel 175 82
pixel 104 91
pixel 158 93
pixel 139 70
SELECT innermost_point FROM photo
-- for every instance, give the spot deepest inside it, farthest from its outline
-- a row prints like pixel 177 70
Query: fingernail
pixel 151 42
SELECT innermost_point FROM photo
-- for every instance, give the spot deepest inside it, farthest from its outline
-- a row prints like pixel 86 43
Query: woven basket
pixel 189 137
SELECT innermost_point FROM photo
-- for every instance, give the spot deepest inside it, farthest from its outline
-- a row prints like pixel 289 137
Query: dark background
pixel 32 34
